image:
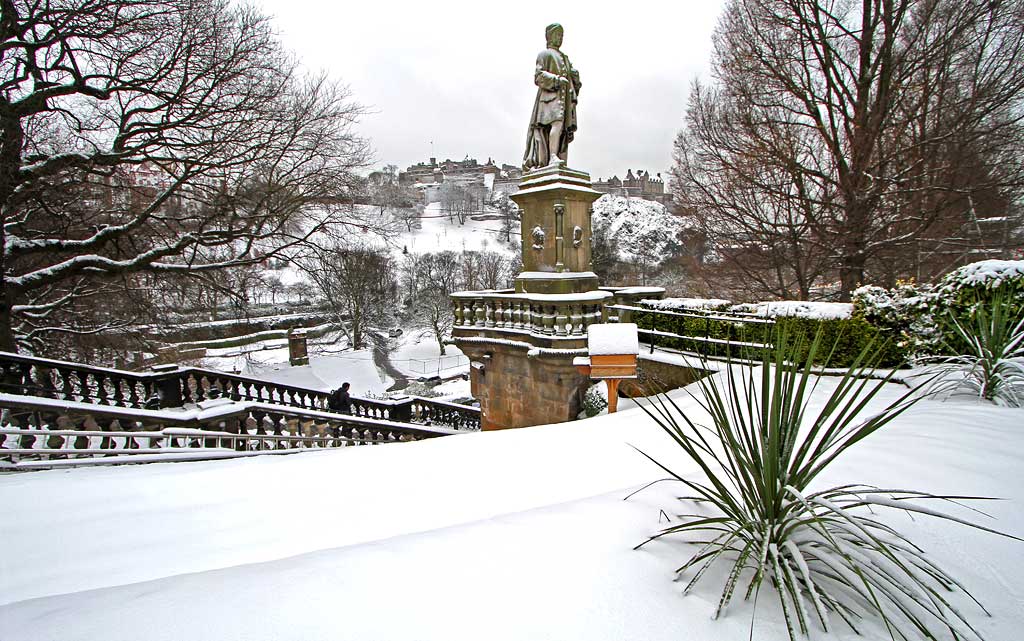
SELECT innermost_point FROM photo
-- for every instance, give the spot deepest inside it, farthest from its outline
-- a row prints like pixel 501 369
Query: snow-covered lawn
pixel 520 534
pixel 329 365
pixel 438 233
pixel 417 354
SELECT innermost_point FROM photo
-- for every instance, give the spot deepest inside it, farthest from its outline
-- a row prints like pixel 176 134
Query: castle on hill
pixel 639 185
pixel 463 172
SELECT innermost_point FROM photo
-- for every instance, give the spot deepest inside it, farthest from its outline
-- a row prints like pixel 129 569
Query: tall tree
pixel 153 136
pixel 839 133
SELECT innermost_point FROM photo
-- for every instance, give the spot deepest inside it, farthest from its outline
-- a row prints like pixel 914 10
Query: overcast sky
pixel 460 73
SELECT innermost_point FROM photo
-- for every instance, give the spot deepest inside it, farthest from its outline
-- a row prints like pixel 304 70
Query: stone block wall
pixel 516 390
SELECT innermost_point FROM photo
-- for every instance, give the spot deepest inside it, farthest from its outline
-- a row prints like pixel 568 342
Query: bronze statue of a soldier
pixel 553 123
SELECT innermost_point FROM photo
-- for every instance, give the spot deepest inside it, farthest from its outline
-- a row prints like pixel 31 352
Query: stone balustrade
pixel 179 386
pixel 37 432
pixel 546 316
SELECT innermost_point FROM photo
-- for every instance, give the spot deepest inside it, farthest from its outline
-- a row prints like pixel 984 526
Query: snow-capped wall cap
pixel 803 309
pixel 581 361
pixel 612 338
pixel 640 290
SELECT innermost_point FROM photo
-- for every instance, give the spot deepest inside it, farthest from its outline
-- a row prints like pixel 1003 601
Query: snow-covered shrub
pixel 992 364
pixel 595 400
pixel 968 289
pixel 824 553
pixel 904 314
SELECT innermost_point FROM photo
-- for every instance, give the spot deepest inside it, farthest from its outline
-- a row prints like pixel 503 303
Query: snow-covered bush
pixel 915 314
pixel 824 554
pixel 595 400
pixel 904 313
pixel 968 289
pixel 992 364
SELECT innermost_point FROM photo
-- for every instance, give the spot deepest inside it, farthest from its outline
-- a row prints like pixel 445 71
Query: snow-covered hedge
pixel 766 309
pixel 836 321
pixel 918 314
pixel 910 320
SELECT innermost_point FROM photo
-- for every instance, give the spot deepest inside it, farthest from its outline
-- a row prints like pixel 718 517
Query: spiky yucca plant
pixel 992 366
pixel 824 553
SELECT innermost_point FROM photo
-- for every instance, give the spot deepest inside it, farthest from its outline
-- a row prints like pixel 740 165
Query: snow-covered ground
pixel 330 365
pixel 521 534
pixel 415 354
pixel 438 233
pixel 418 355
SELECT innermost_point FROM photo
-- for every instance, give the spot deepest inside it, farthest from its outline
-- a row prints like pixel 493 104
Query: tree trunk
pixel 7 341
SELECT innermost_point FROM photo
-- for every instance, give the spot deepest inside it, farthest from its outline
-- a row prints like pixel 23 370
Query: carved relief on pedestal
pixel 577 236
pixel 538 237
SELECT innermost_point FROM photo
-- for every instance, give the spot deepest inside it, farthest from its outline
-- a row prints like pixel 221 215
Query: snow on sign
pixel 612 338
pixel 613 349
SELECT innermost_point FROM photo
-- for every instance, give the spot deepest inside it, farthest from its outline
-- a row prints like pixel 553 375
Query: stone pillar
pixel 297 353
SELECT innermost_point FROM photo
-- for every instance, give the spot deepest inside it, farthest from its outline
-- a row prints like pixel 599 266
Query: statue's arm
pixel 576 80
pixel 544 78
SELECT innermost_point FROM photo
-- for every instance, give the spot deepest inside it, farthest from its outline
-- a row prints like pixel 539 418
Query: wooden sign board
pixel 613 366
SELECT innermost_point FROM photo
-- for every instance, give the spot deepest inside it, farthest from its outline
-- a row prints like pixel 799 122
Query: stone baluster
pixel 548 320
pixel 560 320
pixel 576 320
pixel 489 312
pixel 478 313
pixel 457 312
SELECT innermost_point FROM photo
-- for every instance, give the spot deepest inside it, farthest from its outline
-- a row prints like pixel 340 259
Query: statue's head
pixel 553 34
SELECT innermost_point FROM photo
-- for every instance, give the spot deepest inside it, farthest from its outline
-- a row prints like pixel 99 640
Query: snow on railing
pixel 68 381
pixel 36 431
pixel 557 316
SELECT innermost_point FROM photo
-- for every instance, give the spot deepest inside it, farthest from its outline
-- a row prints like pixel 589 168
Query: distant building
pixel 467 172
pixel 639 185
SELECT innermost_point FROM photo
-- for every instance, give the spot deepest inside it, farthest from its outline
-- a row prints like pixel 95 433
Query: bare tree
pixel 841 133
pixel 510 215
pixel 158 136
pixel 358 285
pixel 438 275
pixel 394 199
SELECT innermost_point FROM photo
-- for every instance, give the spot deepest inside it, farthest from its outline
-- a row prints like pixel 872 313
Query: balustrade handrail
pixel 71 381
pixel 205 416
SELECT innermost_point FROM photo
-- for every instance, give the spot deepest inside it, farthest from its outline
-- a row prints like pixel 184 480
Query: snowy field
pixel 519 535
pixel 438 233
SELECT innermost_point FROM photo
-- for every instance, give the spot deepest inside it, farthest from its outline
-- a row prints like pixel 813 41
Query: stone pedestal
pixel 556 205
pixel 516 389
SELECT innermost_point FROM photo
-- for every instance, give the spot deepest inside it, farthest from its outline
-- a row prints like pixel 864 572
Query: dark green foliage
pixel 711 337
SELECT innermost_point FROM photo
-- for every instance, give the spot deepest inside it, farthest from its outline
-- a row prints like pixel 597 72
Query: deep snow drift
pixel 520 534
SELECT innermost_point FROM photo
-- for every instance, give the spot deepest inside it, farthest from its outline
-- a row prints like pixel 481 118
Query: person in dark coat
pixel 339 400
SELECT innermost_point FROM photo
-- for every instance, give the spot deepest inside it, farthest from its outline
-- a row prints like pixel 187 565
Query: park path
pixel 381 352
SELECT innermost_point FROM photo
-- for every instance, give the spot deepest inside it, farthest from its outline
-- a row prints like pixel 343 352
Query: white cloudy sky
pixel 460 73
